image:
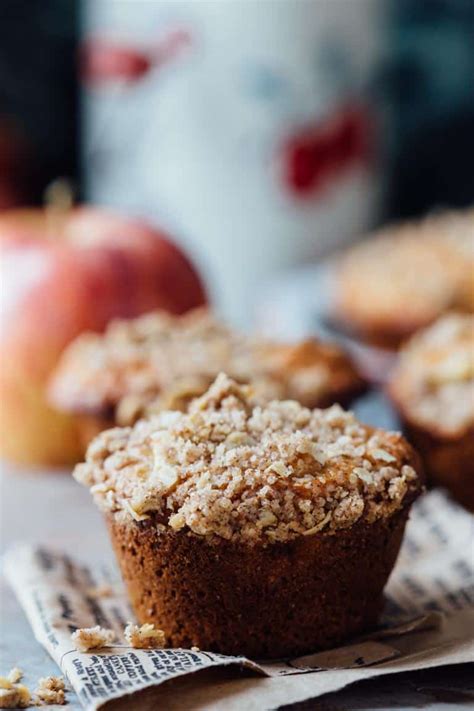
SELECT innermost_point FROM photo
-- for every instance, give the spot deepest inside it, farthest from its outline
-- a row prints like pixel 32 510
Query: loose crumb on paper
pixel 18 697
pixel 144 637
pixel 51 690
pixel 12 694
pixel 88 638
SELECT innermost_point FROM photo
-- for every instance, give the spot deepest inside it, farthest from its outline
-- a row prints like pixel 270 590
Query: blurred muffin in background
pixel 433 391
pixel 405 276
pixel 158 361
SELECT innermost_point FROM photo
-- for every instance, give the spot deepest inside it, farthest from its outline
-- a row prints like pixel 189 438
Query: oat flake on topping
pixel 246 472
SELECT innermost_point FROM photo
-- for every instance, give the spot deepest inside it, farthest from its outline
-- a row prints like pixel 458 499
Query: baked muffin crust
pixel 405 276
pixel 433 391
pixel 245 472
pixel 158 361
pixel 434 381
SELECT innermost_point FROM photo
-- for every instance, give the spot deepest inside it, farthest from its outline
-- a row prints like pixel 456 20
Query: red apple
pixel 63 273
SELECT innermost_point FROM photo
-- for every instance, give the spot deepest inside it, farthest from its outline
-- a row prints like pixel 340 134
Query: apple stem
pixel 58 199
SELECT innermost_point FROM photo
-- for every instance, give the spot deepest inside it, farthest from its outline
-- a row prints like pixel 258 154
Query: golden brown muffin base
pixel 389 335
pixel 448 461
pixel 281 600
pixel 343 396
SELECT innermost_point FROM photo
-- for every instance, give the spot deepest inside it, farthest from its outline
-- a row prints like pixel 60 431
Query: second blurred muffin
pixel 406 276
pixel 158 361
pixel 433 390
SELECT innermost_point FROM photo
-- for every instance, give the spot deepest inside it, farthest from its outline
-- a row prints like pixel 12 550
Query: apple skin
pixel 63 274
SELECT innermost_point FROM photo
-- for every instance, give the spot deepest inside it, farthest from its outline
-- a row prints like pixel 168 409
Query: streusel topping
pixel 158 361
pixel 413 271
pixel 245 472
pixel 434 381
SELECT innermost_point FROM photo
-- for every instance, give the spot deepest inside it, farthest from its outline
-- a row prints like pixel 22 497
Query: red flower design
pixel 104 60
pixel 318 153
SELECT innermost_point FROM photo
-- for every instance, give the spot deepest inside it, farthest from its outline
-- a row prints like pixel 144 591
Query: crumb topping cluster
pixel 87 638
pixel 14 695
pixel 50 691
pixel 159 361
pixel 434 382
pixel 248 472
pixel 422 268
pixel 144 636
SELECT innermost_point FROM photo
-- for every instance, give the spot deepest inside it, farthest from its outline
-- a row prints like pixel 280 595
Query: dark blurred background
pixel 431 85
pixel 39 100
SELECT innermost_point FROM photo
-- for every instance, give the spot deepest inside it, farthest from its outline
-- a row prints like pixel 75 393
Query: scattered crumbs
pixel 50 691
pixel 88 638
pixel 144 637
pixel 12 694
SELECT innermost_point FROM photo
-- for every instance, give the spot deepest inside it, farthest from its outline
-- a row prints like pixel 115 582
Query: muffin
pixel 405 276
pixel 433 391
pixel 161 361
pixel 263 530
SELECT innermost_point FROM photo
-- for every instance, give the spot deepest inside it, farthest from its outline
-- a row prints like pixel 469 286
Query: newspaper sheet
pixel 428 621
